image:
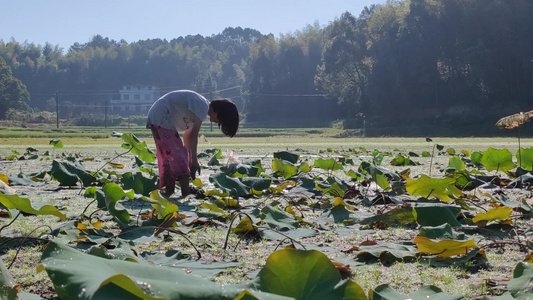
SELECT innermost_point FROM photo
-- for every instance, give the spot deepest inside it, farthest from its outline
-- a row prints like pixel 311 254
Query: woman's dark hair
pixel 227 115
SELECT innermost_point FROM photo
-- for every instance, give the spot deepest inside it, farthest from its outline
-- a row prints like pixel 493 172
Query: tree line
pixel 412 67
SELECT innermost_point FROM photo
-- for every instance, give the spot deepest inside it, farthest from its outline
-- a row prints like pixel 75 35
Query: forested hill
pixel 435 67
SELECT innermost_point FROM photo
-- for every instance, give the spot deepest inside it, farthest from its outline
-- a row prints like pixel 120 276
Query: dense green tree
pixel 345 68
pixel 455 65
pixel 282 89
pixel 13 93
pixel 431 64
pixel 99 68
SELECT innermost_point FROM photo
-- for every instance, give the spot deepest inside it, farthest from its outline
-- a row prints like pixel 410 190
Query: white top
pixel 176 110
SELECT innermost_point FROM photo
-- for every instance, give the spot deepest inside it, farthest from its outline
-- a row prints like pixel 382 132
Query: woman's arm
pixel 190 141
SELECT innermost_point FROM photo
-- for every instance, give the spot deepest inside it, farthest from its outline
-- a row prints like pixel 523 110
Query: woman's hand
pixel 194 166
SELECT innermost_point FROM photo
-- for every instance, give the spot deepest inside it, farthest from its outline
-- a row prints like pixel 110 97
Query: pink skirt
pixel 172 156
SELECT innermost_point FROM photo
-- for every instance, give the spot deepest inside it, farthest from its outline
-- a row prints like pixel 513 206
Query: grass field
pixel 92 132
pixel 261 143
pixel 256 140
pixel 247 138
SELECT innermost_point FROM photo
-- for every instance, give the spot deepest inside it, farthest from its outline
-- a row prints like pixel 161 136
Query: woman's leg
pixel 167 183
pixel 184 183
pixel 174 161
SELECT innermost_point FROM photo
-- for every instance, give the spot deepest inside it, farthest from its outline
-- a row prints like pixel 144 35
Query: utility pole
pixel 105 117
pixel 57 109
pixel 211 99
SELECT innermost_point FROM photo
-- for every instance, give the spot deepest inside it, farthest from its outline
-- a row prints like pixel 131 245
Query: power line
pixel 107 92
pixel 289 95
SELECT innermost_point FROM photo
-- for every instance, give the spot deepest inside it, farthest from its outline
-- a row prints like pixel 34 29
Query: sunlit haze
pixel 65 22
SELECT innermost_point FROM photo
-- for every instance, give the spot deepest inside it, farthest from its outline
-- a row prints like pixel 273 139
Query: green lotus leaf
pixel 139 183
pixel 354 175
pixel 386 253
pixel 140 235
pixel 401 160
pixel 497 213
pixel 24 205
pixel 227 202
pixel 396 216
pixel 475 158
pixel 443 231
pixel 497 160
pixel 230 185
pixel 76 275
pixel 525 158
pixel 373 169
pixel 463 180
pixel 284 168
pixel 162 206
pixel 379 174
pixel 455 162
pixel 333 189
pixel 255 163
pixel 377 157
pixel 241 170
pixel 8 287
pixel 56 143
pixel 450 151
pixel 504 296
pixel 216 193
pixel 440 188
pixel 340 214
pixel 145 166
pixel 329 164
pixel 278 219
pixel 210 210
pixel 475 258
pixel 113 194
pixel 382 182
pixel 4 178
pixel 305 167
pixel 175 258
pixel 245 226
pixel 137 147
pixel 444 248
pixel 297 234
pixel 466 153
pixel 386 292
pixel 256 183
pixel 284 155
pixel 120 250
pixel 436 214
pixel 305 274
pixel 68 174
pixel 213 161
pixel 520 285
pixel 96 193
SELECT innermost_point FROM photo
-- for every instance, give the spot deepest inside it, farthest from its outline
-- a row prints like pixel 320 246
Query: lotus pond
pixel 270 218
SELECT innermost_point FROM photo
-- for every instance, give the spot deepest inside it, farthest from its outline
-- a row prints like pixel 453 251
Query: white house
pixel 134 100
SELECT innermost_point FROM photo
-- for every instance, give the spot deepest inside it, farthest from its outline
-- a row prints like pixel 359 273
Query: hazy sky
pixel 64 22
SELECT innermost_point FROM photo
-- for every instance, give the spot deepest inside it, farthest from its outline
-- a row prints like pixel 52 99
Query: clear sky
pixel 64 22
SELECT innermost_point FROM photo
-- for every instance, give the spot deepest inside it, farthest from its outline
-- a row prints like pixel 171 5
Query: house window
pixel 136 97
pixel 146 97
pixel 125 97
